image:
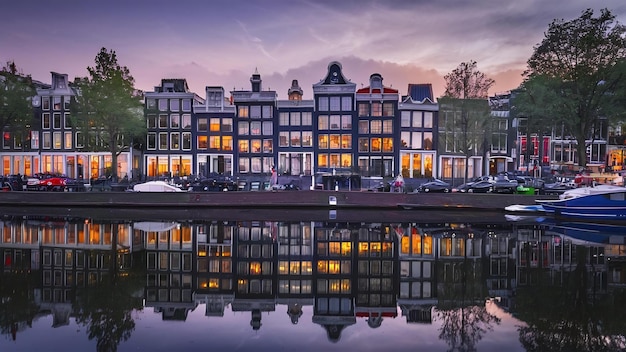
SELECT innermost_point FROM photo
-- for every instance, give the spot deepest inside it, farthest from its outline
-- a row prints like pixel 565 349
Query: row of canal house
pixel 357 136
pixel 344 133
pixel 344 271
pixel 341 133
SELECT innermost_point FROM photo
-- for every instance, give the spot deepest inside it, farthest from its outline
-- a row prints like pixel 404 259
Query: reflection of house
pixel 554 252
pixel 169 266
pixel 256 307
pixel 334 291
pixel 417 310
pixel 255 269
pixel 616 261
pixel 500 259
pixel 214 254
pixel 417 268
pixel 341 271
pixel 459 265
pixel 295 267
pixel 376 276
pixel 215 304
pixel 61 312
pixel 173 311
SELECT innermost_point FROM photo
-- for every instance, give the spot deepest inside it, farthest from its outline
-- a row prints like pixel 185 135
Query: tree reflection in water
pixel 17 309
pixel 571 316
pixel 461 307
pixel 462 328
pixel 105 307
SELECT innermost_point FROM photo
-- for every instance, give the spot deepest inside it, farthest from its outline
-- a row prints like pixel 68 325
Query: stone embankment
pixel 268 199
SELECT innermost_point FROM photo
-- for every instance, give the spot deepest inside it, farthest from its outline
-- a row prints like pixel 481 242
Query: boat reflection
pixel 563 281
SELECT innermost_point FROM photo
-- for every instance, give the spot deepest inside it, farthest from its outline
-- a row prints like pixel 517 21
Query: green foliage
pixel 466 110
pixel 16 91
pixel 467 82
pixel 108 108
pixel 465 124
pixel 575 76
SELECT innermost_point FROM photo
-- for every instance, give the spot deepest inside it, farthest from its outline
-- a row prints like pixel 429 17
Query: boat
pixel 524 208
pixel 601 204
pixel 155 186
pixel 585 191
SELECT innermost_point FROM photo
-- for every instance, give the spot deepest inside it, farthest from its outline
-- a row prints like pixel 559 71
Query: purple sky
pixel 222 42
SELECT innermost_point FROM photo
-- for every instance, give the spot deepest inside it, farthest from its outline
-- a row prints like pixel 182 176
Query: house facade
pixel 344 137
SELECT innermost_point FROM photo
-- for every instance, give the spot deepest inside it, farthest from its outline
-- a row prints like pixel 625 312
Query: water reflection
pixel 562 281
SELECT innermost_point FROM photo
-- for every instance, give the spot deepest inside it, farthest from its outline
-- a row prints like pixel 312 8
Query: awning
pixel 507 158
pixel 155 226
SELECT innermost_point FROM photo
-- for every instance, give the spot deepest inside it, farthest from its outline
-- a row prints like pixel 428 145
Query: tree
pixel 534 102
pixel 574 74
pixel 108 108
pixel 467 82
pixel 16 91
pixel 466 96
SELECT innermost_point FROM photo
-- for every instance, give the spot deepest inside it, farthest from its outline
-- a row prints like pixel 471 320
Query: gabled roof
pixel 409 99
pixel 178 85
pixel 334 77
pixel 420 91
pixel 377 90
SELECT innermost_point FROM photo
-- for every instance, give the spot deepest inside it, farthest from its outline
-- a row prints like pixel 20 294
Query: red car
pixel 53 184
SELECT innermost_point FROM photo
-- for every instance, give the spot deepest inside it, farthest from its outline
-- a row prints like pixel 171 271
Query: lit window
pixel 215 124
pixel 68 140
pixel 227 125
pixel 376 126
pixel 244 146
pixel 377 109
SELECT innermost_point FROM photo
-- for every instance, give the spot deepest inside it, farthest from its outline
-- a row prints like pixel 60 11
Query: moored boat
pixel 599 205
pixel 586 191
pixel 156 186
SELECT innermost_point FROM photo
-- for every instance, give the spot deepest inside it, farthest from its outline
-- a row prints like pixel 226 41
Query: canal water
pixel 416 282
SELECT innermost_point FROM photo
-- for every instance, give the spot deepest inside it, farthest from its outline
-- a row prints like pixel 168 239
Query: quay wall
pixel 268 199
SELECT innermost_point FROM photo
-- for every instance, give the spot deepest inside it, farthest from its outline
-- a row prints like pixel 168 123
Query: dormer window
pixel 60 82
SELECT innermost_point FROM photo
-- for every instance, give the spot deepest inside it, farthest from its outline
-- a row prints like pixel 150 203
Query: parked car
pixel 485 186
pixel 502 184
pixel 528 183
pixel 56 184
pixel 435 185
pixel 557 187
pixel 286 187
pixel 481 184
pixel 12 183
pixel 212 184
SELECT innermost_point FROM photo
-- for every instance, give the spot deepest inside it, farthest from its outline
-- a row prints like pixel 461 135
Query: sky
pixel 223 42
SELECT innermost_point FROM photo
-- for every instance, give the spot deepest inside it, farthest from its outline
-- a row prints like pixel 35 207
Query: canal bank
pixel 268 199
